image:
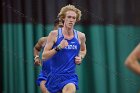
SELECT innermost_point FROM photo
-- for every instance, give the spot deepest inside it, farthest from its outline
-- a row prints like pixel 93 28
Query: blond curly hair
pixel 64 9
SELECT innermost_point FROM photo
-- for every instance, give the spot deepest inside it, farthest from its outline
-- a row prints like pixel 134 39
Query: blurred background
pixel 112 29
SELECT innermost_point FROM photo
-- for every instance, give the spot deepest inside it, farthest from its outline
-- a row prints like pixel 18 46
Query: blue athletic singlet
pixel 63 64
pixel 44 71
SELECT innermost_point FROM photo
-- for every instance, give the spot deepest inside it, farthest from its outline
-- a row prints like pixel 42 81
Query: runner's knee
pixel 69 88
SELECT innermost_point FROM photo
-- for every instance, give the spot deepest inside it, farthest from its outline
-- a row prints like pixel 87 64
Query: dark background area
pixel 94 11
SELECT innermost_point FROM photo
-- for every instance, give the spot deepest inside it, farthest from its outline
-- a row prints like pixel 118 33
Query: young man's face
pixel 70 19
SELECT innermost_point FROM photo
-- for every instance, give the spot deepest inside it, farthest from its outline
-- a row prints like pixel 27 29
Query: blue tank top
pixel 46 69
pixel 64 60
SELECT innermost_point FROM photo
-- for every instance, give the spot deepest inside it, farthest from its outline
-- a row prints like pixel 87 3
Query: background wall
pixel 112 29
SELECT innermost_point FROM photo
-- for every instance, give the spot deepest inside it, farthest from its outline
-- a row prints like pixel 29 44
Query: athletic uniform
pixel 44 71
pixel 63 64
